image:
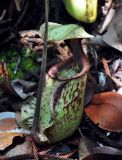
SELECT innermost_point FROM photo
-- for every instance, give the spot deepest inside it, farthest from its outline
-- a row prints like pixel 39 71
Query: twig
pixel 3 15
pixel 106 67
pixel 17 65
pixel 17 3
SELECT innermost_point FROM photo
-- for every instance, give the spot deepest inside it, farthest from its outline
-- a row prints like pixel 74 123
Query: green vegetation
pixel 17 62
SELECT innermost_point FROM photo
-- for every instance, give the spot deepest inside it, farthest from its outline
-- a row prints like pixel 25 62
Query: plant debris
pixel 99 135
pixel 105 111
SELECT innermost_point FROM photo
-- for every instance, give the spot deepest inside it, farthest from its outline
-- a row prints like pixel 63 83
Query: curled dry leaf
pixel 106 110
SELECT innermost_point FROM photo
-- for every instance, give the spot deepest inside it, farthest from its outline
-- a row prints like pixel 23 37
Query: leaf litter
pixel 102 102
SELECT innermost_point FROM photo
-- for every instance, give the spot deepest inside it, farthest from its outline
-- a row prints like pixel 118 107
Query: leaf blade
pixel 59 32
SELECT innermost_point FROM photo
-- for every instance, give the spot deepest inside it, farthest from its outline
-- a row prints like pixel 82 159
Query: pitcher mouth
pixel 78 56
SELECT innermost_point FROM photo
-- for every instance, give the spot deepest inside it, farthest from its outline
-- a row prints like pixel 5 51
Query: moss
pixel 27 62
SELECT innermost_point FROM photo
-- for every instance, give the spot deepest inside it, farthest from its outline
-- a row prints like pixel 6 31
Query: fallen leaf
pixel 86 146
pixel 6 139
pixel 97 153
pixel 20 86
pixel 113 35
pixel 116 64
pixel 7 121
pixel 21 149
pixel 9 129
pixel 106 110
pixel 107 71
pixel 83 150
pixel 104 153
pixel 7 124
pixel 107 150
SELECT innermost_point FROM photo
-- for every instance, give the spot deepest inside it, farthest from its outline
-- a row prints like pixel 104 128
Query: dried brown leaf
pixel 106 110
pixel 7 124
pixel 106 67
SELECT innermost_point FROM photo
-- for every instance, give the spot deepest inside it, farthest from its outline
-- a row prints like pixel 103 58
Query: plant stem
pixel 36 120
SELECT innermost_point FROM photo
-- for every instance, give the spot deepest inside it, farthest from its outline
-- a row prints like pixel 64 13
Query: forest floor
pixel 99 135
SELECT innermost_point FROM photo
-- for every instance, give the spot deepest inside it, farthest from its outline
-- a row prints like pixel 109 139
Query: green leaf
pixel 58 32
